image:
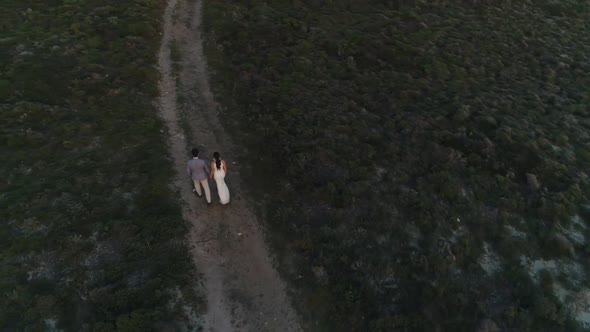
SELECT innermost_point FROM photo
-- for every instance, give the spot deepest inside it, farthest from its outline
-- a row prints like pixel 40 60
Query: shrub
pixel 416 121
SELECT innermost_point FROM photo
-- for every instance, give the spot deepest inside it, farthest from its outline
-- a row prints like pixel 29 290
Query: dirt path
pixel 244 292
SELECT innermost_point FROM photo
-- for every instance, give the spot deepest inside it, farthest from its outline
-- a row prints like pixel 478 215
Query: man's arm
pixel 188 170
pixel 207 166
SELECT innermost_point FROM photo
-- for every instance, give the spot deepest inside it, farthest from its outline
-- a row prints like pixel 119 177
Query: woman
pixel 218 171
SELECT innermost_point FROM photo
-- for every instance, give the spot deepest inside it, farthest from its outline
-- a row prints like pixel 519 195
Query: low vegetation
pixel 425 161
pixel 92 234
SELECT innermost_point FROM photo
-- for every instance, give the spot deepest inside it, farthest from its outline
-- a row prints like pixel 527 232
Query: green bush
pixel 415 125
pixel 92 235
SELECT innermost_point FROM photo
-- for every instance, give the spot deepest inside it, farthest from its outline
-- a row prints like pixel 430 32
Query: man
pixel 198 169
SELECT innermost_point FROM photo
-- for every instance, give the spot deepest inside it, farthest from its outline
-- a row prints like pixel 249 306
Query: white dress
pixel 222 190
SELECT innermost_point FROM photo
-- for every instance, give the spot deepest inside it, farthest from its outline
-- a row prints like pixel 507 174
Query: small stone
pixel 543 142
pixel 319 272
pixel 532 181
pixel 488 325
pixel 462 114
pixel 488 120
pixel 563 245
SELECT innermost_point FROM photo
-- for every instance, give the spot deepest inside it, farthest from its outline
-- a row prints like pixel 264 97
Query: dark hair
pixel 217 159
pixel 195 152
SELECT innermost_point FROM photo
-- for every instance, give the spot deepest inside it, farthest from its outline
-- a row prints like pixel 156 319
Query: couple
pixel 198 170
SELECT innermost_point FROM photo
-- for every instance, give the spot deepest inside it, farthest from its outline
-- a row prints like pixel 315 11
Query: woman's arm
pixel 212 170
pixel 225 167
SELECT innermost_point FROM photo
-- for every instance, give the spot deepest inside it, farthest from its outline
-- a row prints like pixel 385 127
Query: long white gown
pixel 222 189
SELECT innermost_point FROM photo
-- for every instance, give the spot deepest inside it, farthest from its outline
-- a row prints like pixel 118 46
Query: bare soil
pixel 243 290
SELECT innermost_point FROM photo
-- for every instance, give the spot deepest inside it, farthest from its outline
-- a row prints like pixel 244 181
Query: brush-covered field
pixel 425 162
pixel 92 237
